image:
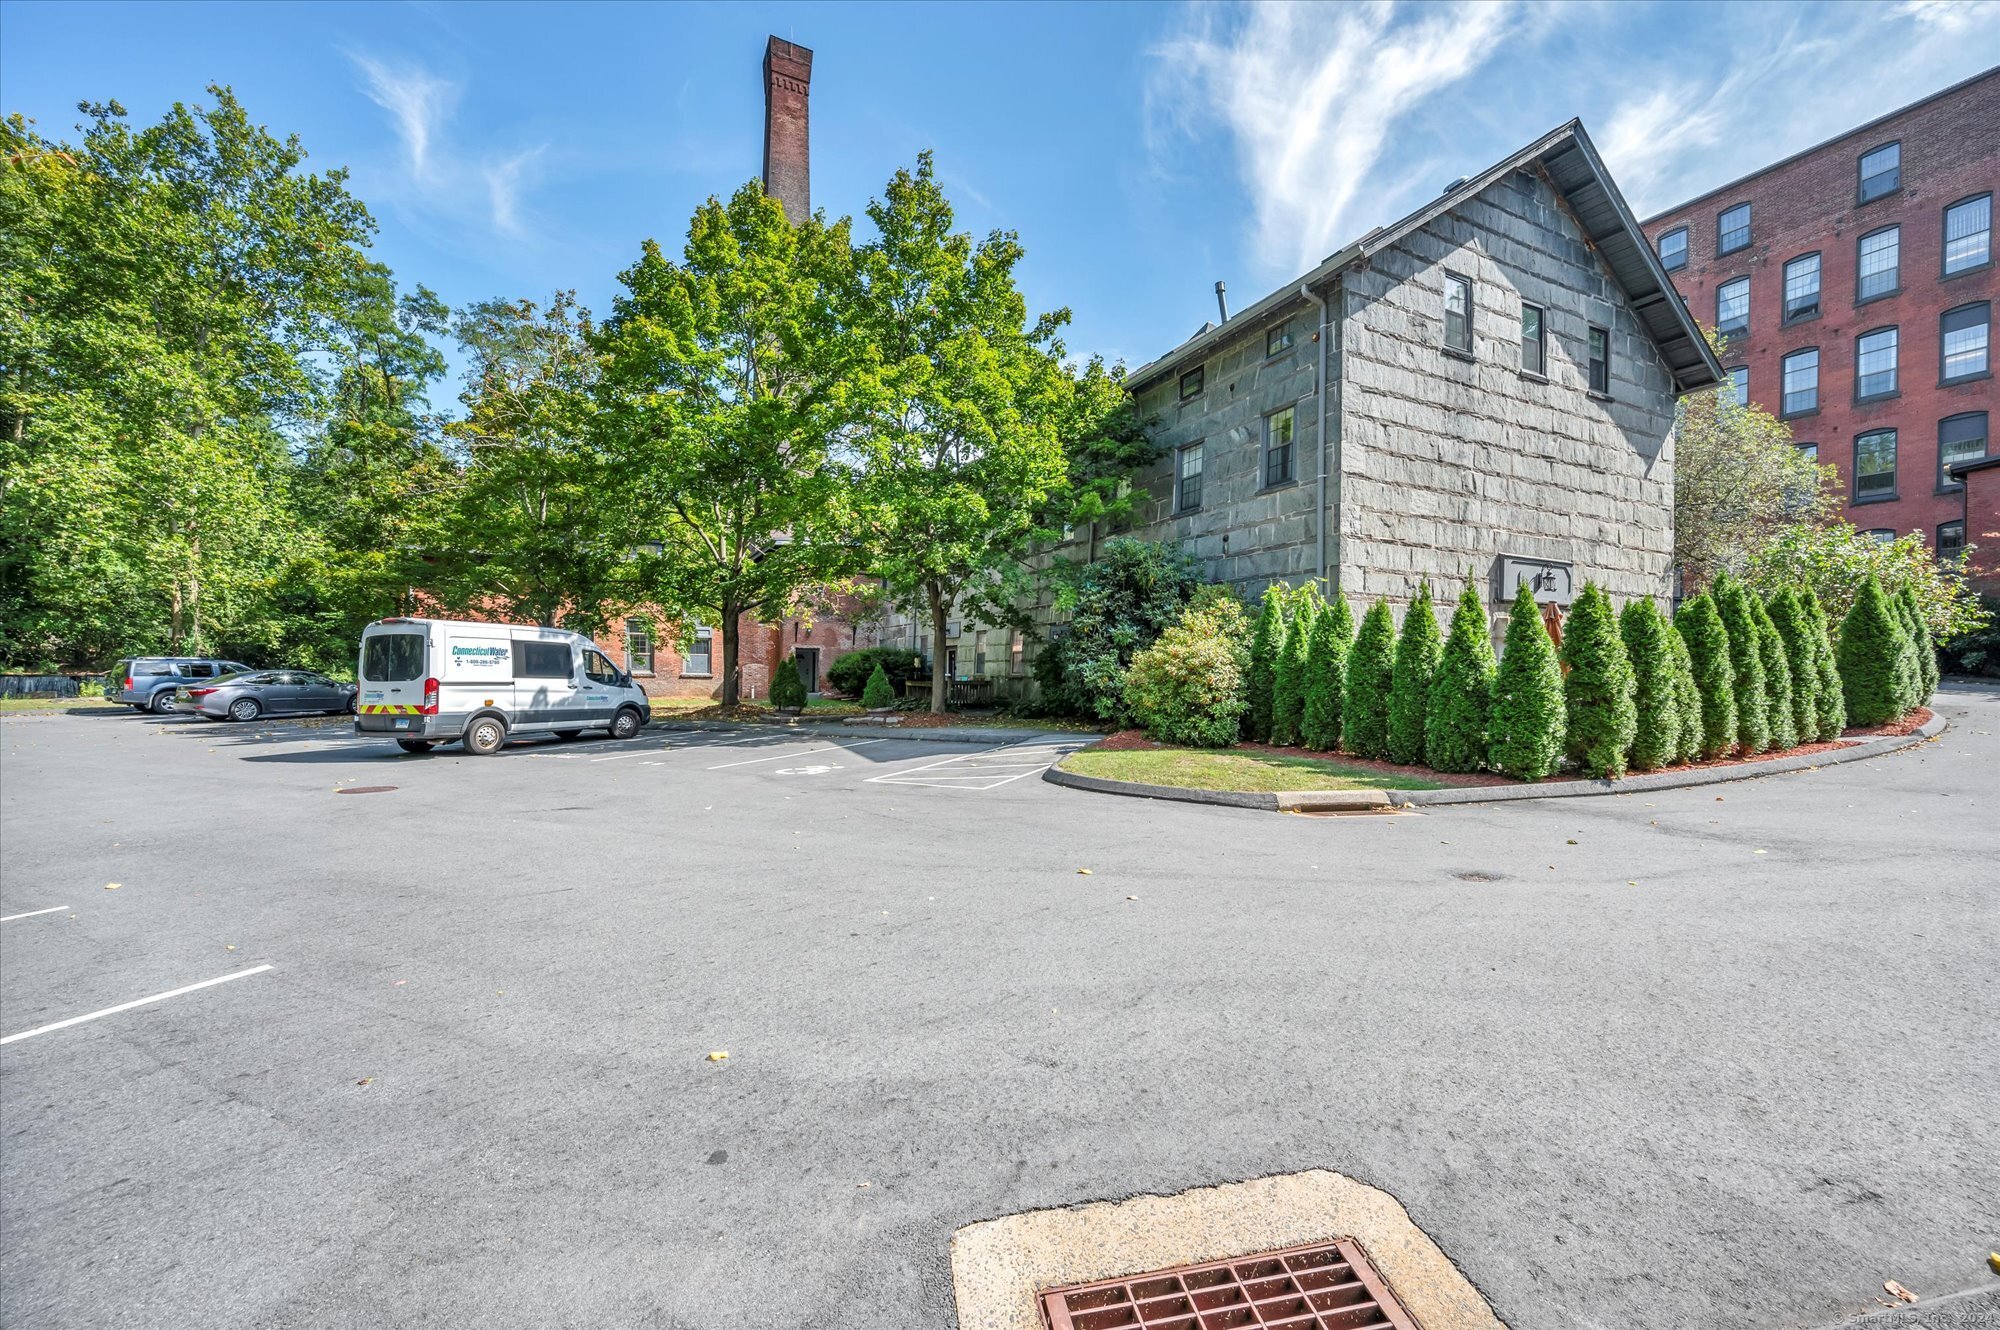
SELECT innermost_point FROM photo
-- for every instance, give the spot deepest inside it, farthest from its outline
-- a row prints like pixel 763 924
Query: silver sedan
pixel 265 693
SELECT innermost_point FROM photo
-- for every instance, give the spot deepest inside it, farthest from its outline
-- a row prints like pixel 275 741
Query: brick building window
pixel 1280 429
pixel 1875 466
pixel 699 662
pixel 1881 172
pixel 1811 451
pixel 1951 541
pixel 1875 356
pixel 1187 479
pixel 638 646
pixel 1739 385
pixel 1674 249
pixel 1802 288
pixel 1962 342
pixel 1732 230
pixel 1881 535
pixel 1878 264
pixel 1732 307
pixel 1278 340
pixel 1961 438
pixel 1534 352
pixel 1458 313
pixel 1193 382
pixel 1968 234
pixel 1600 360
pixel 1801 391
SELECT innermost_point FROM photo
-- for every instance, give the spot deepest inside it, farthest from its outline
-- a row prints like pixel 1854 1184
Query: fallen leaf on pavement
pixel 229 946
pixel 1756 852
pixel 1083 872
pixel 718 1056
pixel 1631 884
pixel 1569 842
pixel 1131 898
pixel 113 886
pixel 1993 1261
pixel 1898 1291
pixel 366 1080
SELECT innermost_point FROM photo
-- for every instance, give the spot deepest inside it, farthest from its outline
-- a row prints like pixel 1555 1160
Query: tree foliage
pixel 1267 644
pixel 1326 674
pixel 1187 687
pixel 1117 606
pixel 1746 665
pixel 1706 638
pixel 1876 676
pixel 1657 733
pixel 1599 716
pixel 1288 676
pixel 1788 618
pixel 1777 677
pixel 1920 642
pixel 1460 714
pixel 878 693
pixel 1687 697
pixel 1525 736
pixel 1371 666
pixel 1833 559
pixel 1829 696
pixel 1418 648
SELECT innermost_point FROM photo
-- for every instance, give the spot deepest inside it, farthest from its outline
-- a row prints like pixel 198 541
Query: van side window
pixel 542 660
pixel 599 670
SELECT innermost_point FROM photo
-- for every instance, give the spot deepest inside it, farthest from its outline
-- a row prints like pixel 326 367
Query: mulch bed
pixel 1126 740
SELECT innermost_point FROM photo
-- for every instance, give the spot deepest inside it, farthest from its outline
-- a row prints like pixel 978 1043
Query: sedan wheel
pixel 245 709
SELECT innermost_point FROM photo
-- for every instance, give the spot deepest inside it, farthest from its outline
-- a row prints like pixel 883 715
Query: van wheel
pixel 162 703
pixel 244 708
pixel 413 745
pixel 485 735
pixel 625 724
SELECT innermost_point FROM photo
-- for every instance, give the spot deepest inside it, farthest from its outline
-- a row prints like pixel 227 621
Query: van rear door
pixel 395 661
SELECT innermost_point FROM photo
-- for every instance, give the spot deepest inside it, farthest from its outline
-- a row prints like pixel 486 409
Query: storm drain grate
pixel 1326 1286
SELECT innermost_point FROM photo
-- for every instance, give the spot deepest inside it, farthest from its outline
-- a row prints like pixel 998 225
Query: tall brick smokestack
pixel 788 71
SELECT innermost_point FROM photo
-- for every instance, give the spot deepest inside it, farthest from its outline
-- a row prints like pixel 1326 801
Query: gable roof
pixel 1578 173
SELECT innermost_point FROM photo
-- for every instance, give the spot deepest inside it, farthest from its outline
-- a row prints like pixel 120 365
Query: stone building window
pixel 1801 391
pixel 1732 307
pixel 1458 313
pixel 1674 249
pixel 1802 288
pixel 1187 479
pixel 1881 172
pixel 1732 230
pixel 1875 358
pixel 1278 340
pixel 1534 350
pixel 699 663
pixel 1968 234
pixel 638 646
pixel 1600 360
pixel 1193 382
pixel 1280 430
pixel 1878 266
pixel 1961 438
pixel 1875 466
pixel 1962 342
pixel 1951 541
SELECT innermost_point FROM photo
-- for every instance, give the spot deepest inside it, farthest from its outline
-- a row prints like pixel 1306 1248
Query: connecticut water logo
pixel 479 655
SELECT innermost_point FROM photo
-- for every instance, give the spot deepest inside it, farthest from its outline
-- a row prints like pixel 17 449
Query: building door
pixel 951 662
pixel 808 662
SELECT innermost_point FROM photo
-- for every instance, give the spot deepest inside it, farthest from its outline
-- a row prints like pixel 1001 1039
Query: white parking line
pixel 776 757
pixel 987 769
pixel 672 747
pixel 29 914
pixel 127 1006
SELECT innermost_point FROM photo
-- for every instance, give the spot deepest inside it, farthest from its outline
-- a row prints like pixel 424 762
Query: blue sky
pixel 1141 151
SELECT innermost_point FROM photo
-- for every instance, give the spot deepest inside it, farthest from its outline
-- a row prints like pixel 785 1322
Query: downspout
pixel 1319 425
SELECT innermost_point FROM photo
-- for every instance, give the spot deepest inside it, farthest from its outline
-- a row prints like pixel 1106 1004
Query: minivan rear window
pixel 393 657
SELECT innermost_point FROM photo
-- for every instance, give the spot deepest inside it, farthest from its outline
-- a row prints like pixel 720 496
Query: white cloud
pixel 503 188
pixel 442 180
pixel 420 102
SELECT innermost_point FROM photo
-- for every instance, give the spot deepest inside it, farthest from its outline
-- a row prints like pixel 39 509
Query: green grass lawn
pixel 9 705
pixel 1255 773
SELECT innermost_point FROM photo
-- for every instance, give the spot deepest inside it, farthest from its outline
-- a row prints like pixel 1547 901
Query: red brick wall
pixel 1950 149
pixel 787 138
pixel 762 647
pixel 1982 527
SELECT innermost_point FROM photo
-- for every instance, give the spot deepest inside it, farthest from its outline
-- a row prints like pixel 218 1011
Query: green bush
pixel 850 674
pixel 1461 708
pixel 1687 697
pixel 1920 642
pixel 878 693
pixel 1417 653
pixel 787 688
pixel 1188 687
pixel 1794 636
pixel 1526 729
pixel 1746 662
pixel 1707 639
pixel 1976 651
pixel 1364 711
pixel 1288 678
pixel 1874 659
pixel 1326 674
pixel 1829 695
pixel 1656 701
pixel 1777 676
pixel 1267 643
pixel 1599 718
pixel 1117 604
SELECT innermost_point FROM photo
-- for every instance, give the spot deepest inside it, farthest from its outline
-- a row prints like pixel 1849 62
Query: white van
pixel 432 681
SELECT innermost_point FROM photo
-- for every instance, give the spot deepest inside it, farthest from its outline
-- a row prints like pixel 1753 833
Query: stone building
pixel 1496 376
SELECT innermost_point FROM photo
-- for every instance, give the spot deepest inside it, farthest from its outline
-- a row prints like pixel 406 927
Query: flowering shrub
pixel 1188 687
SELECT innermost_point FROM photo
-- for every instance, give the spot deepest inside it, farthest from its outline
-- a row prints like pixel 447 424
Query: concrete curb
pixel 1340 800
pixel 828 729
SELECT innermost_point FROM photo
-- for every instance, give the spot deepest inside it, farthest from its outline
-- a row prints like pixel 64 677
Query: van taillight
pixel 430 697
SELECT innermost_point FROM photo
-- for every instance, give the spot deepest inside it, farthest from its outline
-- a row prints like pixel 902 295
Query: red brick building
pixel 1855 281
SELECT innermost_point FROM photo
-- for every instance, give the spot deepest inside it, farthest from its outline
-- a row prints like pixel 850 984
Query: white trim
pixel 127 1006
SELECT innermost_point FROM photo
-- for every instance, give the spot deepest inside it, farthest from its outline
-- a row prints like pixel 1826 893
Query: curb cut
pixel 827 729
pixel 1315 800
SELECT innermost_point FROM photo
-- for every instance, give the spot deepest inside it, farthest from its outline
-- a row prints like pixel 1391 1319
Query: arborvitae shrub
pixel 1656 734
pixel 1687 697
pixel 1371 665
pixel 787 688
pixel 1288 679
pixel 1188 686
pixel 1874 659
pixel 1266 643
pixel 1455 735
pixel 1326 674
pixel 1746 662
pixel 1597 686
pixel 879 694
pixel 1701 628
pixel 1417 653
pixel 1777 676
pixel 1830 697
pixel 1921 643
pixel 1525 729
pixel 1788 617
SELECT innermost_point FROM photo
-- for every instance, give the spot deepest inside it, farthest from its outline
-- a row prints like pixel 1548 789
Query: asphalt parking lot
pixel 1715 1057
